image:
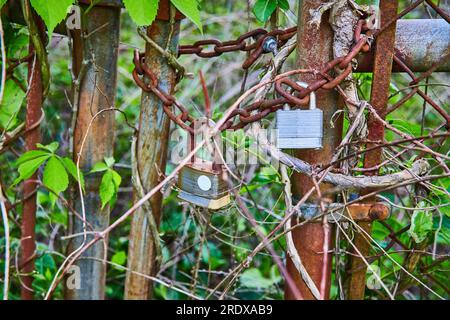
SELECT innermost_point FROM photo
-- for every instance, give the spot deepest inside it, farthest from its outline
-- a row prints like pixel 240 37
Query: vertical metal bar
pixel 314 49
pixel 33 114
pixel 151 158
pixel 379 99
pixel 99 45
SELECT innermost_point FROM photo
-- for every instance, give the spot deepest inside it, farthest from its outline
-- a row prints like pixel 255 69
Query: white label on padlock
pixel 204 183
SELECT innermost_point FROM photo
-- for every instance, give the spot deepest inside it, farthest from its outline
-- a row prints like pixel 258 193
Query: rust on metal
pixel 151 157
pixel 314 50
pixel 384 52
pixel 97 92
pixel 32 136
pixel 367 212
pixel 164 11
pixel 439 10
pixel 256 48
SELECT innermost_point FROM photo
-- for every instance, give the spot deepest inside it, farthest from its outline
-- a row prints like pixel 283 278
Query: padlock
pixel 300 129
pixel 201 182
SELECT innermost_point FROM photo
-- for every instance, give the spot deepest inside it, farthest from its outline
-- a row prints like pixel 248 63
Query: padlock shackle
pixel 192 143
pixel 312 95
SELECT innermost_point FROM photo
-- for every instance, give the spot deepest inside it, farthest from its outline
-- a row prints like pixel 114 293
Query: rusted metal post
pixel 33 115
pixel 314 49
pixel 384 51
pixel 99 45
pixel 151 155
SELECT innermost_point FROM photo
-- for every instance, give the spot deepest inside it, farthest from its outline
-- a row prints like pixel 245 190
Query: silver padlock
pixel 300 129
pixel 201 182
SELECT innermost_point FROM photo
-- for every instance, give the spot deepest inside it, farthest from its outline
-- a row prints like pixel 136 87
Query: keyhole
pixel 204 183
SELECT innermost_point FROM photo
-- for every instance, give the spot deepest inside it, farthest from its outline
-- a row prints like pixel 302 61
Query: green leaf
pixel 45 262
pixel 2 3
pixel 110 161
pixel 410 128
pixel 30 155
pixel 99 167
pixel 253 278
pixel 142 12
pixel 55 177
pixel 190 9
pixel 117 179
pixel 283 4
pixel 51 147
pixel 72 169
pixel 119 258
pixel 52 11
pixel 26 169
pixel 107 188
pixel 421 224
pixel 12 101
pixel 444 237
pixel 264 8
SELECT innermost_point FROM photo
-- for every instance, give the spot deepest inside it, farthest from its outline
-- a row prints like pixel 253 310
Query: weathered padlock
pixel 300 129
pixel 201 182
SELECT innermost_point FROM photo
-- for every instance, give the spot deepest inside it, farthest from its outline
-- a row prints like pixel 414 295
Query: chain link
pixel 140 71
pixel 289 91
pixel 257 48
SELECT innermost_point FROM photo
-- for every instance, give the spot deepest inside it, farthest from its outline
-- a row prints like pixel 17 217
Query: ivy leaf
pixel 117 179
pixel 72 170
pixel 99 167
pixel 410 128
pixel 119 258
pixel 253 278
pixel 110 161
pixel 421 224
pixel 190 9
pixel 12 100
pixel 30 155
pixel 51 147
pixel 283 4
pixel 142 12
pixel 52 11
pixel 27 168
pixel 107 188
pixel 264 8
pixel 55 177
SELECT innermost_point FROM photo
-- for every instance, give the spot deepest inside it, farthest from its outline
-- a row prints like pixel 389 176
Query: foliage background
pixel 230 237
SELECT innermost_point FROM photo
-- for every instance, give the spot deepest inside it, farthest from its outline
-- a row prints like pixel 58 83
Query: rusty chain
pixel 288 90
pixel 265 42
pixel 140 69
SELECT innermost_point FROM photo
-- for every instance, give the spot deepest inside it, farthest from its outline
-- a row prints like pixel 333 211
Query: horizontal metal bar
pixel 338 211
pixel 420 43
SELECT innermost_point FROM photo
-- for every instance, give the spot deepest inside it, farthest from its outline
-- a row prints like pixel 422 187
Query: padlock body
pixel 191 176
pixel 202 186
pixel 299 129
